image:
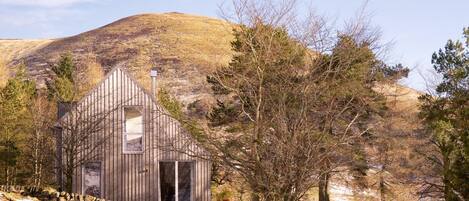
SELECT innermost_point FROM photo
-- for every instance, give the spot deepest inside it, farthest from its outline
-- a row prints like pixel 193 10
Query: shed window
pixel 176 179
pixel 91 173
pixel 133 130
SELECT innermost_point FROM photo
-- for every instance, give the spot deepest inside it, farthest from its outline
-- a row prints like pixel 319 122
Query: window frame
pixel 125 134
pixel 101 171
pixel 176 175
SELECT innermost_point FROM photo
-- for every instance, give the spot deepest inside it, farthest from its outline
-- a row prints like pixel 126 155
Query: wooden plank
pixel 119 138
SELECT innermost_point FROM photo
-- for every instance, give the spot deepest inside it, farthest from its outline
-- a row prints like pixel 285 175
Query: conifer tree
pixel 15 100
pixel 63 87
pixel 293 122
pixel 446 118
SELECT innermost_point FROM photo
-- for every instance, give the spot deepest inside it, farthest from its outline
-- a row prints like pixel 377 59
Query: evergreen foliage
pixel 15 101
pixel 63 87
pixel 9 153
pixel 447 117
pixel 347 101
pixel 175 109
pixel 395 72
pixel 15 98
pixel 286 114
pixel 65 67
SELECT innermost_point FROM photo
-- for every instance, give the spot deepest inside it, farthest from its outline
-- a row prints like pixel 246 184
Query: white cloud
pixel 37 23
pixel 43 3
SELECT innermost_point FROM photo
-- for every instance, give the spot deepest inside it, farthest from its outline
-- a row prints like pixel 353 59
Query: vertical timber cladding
pixel 134 176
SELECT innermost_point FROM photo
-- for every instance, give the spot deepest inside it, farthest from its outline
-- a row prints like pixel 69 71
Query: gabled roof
pixel 113 70
pixel 145 91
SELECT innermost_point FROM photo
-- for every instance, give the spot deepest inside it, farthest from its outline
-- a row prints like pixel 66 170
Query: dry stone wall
pixel 42 194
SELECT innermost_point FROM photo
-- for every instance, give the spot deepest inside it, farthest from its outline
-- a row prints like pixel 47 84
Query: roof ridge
pixel 112 71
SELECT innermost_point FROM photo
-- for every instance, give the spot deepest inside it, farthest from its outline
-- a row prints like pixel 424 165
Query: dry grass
pixel 15 49
pixel 4 73
pixel 197 39
pixel 170 37
pixel 406 98
pixel 184 48
pixel 90 76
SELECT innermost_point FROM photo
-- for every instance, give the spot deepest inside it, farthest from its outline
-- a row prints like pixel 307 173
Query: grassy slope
pixel 14 49
pixel 184 48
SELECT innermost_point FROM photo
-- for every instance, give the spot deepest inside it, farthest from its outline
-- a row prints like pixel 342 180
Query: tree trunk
pixel 324 178
pixel 8 175
pixel 255 197
pixel 36 162
pixel 69 173
pixel 69 181
pixel 39 176
pixel 382 187
pixel 382 183
pixel 323 187
pixel 449 194
pixel 14 176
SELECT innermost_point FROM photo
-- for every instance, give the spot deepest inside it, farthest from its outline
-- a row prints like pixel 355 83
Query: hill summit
pixel 183 47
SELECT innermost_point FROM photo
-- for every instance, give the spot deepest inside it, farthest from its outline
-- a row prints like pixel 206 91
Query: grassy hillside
pixel 16 49
pixel 184 48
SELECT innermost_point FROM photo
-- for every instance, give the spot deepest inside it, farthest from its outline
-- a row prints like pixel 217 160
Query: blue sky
pixel 416 28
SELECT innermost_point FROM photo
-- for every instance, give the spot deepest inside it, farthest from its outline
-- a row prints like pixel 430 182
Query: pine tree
pixel 63 87
pixel 15 100
pixel 293 120
pixel 446 118
pixel 347 103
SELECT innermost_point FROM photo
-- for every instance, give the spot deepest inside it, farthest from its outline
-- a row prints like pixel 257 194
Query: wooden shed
pixel 122 145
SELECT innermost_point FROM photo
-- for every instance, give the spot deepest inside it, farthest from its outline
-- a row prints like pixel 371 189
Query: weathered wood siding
pixel 136 176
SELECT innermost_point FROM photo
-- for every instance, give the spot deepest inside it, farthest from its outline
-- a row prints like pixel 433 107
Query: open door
pixel 176 181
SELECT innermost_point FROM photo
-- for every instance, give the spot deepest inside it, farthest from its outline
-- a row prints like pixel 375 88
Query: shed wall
pixel 135 176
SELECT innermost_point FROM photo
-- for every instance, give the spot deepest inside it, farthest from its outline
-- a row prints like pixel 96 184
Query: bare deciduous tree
pixel 40 148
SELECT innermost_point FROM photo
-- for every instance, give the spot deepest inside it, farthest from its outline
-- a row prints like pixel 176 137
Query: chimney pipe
pixel 153 74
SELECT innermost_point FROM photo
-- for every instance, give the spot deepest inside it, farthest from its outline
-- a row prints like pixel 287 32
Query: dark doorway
pixel 184 181
pixel 172 173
